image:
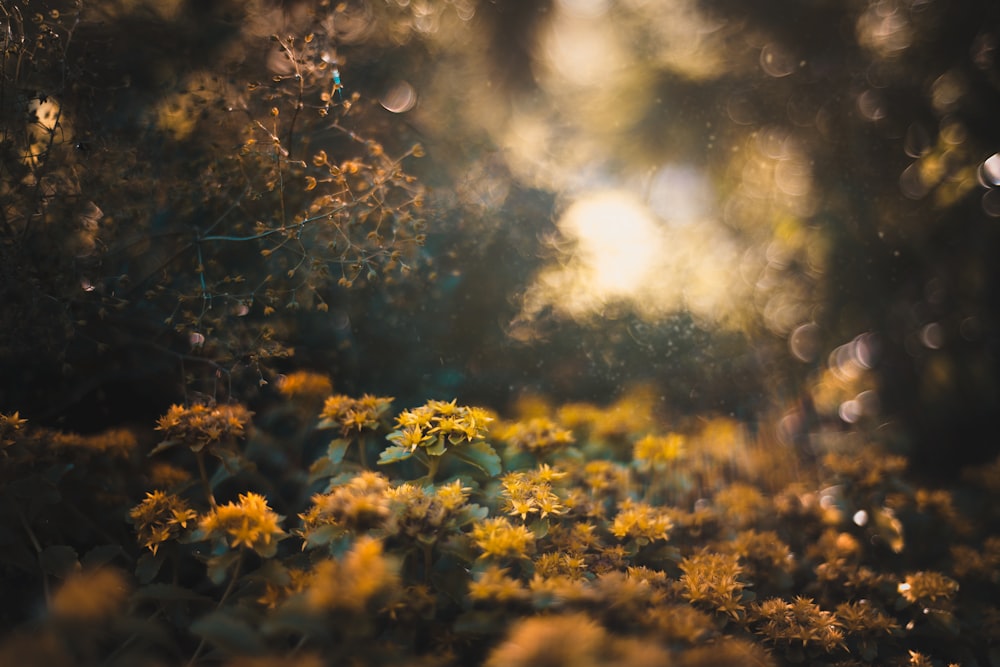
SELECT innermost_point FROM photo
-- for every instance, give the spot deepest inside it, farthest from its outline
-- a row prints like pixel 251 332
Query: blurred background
pixel 782 212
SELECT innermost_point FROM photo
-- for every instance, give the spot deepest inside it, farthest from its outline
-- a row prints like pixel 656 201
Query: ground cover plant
pixel 444 534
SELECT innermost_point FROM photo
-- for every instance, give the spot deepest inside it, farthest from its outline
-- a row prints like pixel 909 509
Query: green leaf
pixel 163 446
pixel 322 536
pixel 327 423
pixel 169 593
pixel 58 560
pixel 226 631
pixel 394 453
pixel 148 567
pixel 470 513
pixel 481 455
pixel 321 468
pixel 102 555
pixel 218 566
pixel 338 447
pixel 437 449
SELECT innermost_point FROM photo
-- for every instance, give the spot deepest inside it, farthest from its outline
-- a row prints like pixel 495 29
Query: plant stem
pixel 362 454
pixel 225 594
pixel 433 463
pixel 200 456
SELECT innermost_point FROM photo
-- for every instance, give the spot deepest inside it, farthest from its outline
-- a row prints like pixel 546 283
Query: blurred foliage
pixel 168 205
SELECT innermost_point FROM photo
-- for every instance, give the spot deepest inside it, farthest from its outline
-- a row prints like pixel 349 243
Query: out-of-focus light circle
pixel 917 141
pixel 870 105
pixel 860 518
pixel 983 50
pixel 911 183
pixel 804 342
pixel 947 90
pixel 991 203
pixel 850 411
pixel 932 336
pixel 464 9
pixel 843 365
pixel 777 62
pixel 741 110
pixel 989 172
pixel 868 401
pixel 865 349
pixel 970 328
pixel 400 97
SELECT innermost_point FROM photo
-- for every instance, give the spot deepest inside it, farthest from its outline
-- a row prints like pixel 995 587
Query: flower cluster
pixel 710 580
pixel 530 492
pixel 354 414
pixel 199 425
pixel 640 522
pixel 351 583
pixel 864 626
pixel 713 581
pixel 659 451
pixel 539 436
pixel 797 624
pixel 497 537
pixel 493 584
pixel 160 518
pixel 983 563
pixel 741 503
pixel 429 514
pixel 306 385
pixel 358 505
pixel 248 523
pixel 10 425
pixel 437 424
pixel 117 442
pixel 928 589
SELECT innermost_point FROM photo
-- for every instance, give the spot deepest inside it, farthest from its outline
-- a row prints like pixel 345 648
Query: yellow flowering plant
pixel 439 431
pixel 355 418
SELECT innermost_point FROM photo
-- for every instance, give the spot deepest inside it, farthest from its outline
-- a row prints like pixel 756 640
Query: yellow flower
pixel 352 583
pixel 927 588
pixel 713 580
pixel 497 537
pixel 656 451
pixel 538 435
pixel 494 585
pixel 410 437
pixel 452 495
pixel 354 414
pixel 200 425
pixel 524 493
pixel 641 521
pixel 249 523
pixel 91 595
pixel 305 384
pixel 160 518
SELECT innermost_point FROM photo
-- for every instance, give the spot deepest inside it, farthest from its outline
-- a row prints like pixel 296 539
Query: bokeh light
pixel 616 251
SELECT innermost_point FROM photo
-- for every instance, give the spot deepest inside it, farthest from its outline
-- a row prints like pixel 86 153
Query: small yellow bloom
pixel 657 451
pixel 160 518
pixel 249 523
pixel 499 538
pixel 305 384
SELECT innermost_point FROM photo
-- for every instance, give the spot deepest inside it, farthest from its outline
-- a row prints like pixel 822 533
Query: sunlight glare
pixel 617 242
